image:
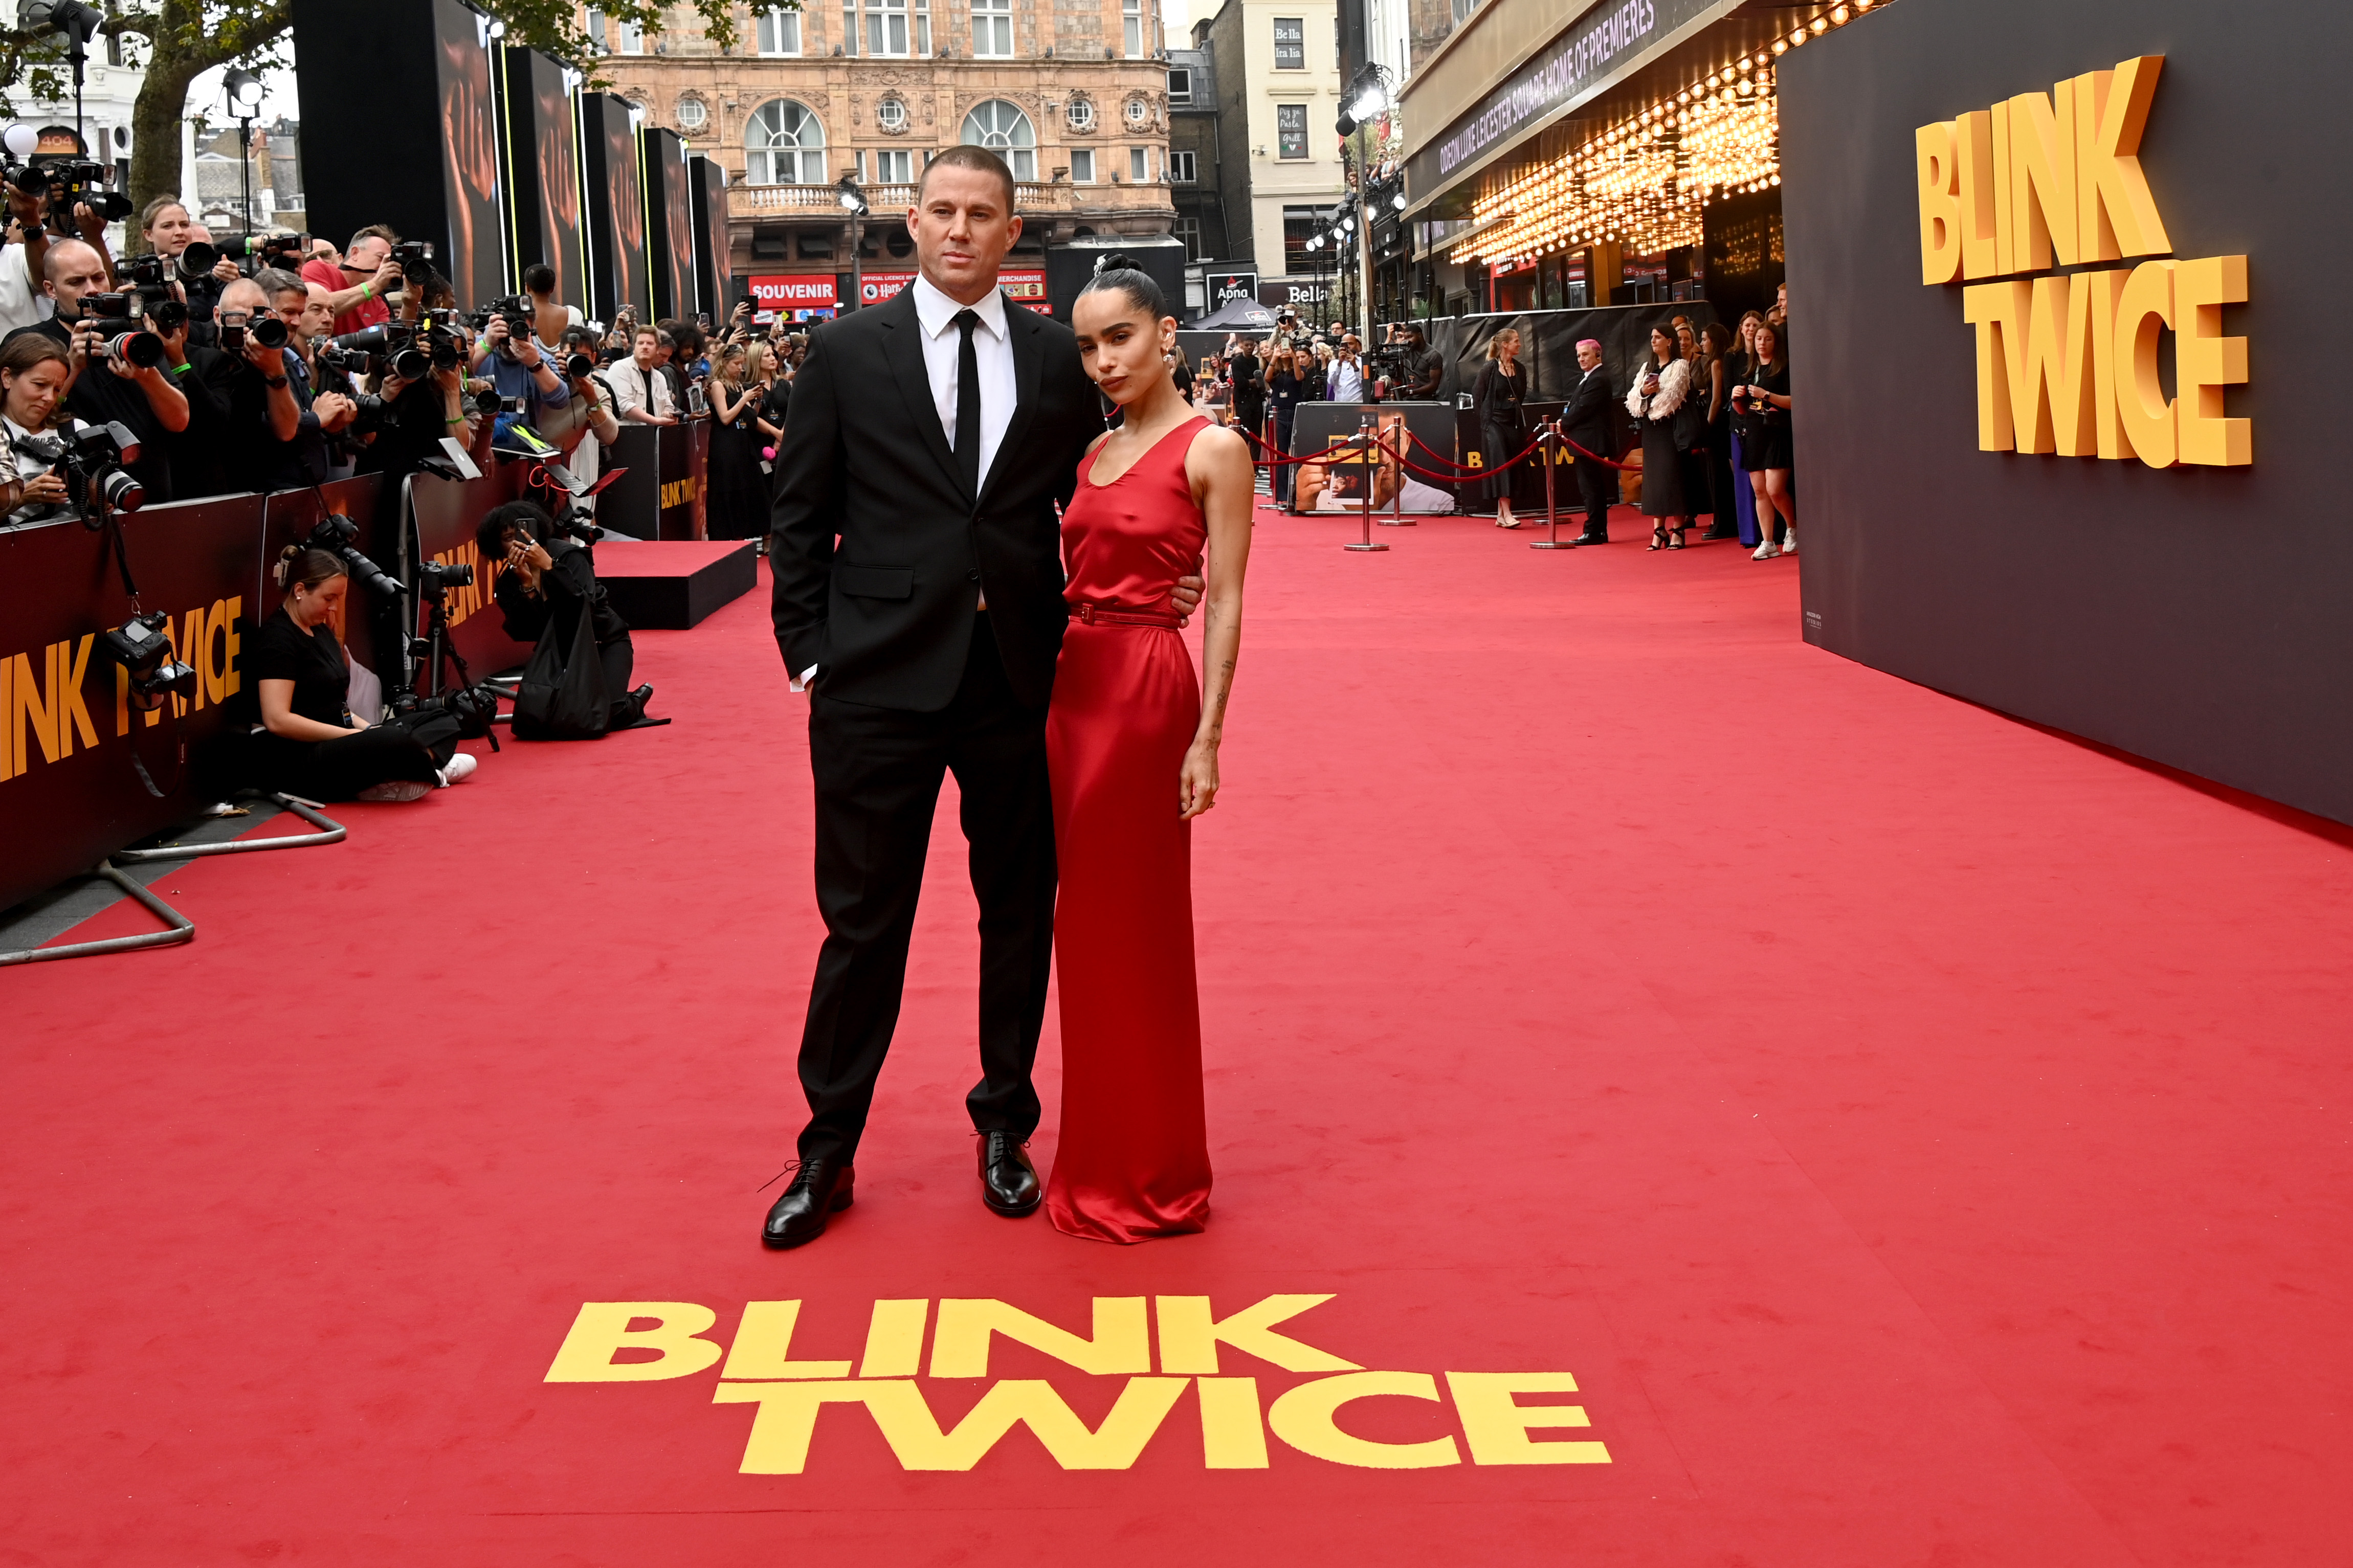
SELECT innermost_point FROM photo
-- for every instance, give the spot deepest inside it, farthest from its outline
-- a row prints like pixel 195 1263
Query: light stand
pixel 853 201
pixel 80 24
pixel 241 91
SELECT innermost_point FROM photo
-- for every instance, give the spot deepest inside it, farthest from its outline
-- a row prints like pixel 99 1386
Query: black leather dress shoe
pixel 1719 531
pixel 820 1188
pixel 1008 1181
pixel 1590 538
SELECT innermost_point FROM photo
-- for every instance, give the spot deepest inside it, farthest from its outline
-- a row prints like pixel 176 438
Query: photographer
pixel 169 232
pixel 22 301
pixel 1424 366
pixel 641 393
pixel 543 581
pixel 105 345
pixel 301 736
pixel 507 352
pixel 34 376
pixel 356 285
pixel 278 430
pixel 587 425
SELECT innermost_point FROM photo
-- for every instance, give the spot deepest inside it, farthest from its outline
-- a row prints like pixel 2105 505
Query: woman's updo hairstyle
pixel 1120 270
pixel 299 567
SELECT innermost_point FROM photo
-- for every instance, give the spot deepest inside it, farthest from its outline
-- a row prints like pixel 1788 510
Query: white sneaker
pixel 398 789
pixel 462 768
pixel 1765 551
pixel 1788 542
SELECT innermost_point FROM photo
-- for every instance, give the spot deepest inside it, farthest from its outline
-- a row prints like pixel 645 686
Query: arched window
pixel 1005 131
pixel 784 145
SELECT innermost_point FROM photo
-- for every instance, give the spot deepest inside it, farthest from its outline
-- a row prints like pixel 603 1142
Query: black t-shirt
pixel 313 660
pixel 256 459
pixel 1429 369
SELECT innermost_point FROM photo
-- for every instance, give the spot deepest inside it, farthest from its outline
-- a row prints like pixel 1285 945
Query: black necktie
pixel 967 435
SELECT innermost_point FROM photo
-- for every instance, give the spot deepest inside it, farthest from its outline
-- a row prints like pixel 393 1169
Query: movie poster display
pixel 670 224
pixel 715 276
pixel 617 208
pixel 475 259
pixel 1337 484
pixel 543 171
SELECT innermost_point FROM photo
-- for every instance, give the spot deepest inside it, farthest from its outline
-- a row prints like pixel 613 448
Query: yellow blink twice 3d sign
pixel 2068 362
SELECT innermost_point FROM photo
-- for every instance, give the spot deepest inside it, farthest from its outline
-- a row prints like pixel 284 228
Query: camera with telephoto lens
pixel 359 354
pixel 514 311
pixel 435 578
pixel 474 707
pixel 577 365
pixel 146 279
pixel 64 184
pixel 142 647
pixel 91 462
pixel 264 251
pixel 338 535
pixel 116 317
pixel 196 264
pixel 236 325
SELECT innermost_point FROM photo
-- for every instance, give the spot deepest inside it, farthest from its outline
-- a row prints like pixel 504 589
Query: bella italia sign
pixel 2068 362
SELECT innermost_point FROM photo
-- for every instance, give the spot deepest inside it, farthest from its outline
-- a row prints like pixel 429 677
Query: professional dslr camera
pixel 416 260
pixel 268 330
pixel 91 462
pixel 434 344
pixel 118 318
pixel 338 535
pixel 264 251
pixel 63 183
pixel 142 647
pixel 514 309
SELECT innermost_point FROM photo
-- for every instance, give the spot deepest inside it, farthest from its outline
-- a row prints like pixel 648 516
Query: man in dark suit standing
pixel 917 560
pixel 1590 420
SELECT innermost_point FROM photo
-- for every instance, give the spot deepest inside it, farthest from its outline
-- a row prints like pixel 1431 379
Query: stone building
pixel 1075 95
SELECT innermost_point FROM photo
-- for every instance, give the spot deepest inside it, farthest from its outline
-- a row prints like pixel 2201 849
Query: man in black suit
pixel 1590 421
pixel 1247 376
pixel 918 569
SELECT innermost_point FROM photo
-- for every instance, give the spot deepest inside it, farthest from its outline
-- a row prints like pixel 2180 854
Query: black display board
pixel 398 129
pixel 669 223
pixel 714 278
pixel 542 171
pixel 2195 616
pixel 662 496
pixel 616 236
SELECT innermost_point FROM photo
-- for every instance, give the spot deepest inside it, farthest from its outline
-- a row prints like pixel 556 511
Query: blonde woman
pixel 1501 388
pixel 738 503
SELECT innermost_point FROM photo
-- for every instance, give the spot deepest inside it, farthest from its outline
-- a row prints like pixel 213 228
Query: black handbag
pixel 560 697
pixel 1690 420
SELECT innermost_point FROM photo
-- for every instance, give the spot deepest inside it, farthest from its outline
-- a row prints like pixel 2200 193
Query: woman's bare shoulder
pixel 1217 443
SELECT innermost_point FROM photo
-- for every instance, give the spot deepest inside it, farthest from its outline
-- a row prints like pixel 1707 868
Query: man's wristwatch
pixel 273 382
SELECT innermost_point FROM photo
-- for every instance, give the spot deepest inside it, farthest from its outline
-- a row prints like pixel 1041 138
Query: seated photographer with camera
pixel 117 358
pixel 301 736
pixel 546 582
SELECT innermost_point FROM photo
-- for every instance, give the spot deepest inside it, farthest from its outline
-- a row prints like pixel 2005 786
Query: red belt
pixel 1096 615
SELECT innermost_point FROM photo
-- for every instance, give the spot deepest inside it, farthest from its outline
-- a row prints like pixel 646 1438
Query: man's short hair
pixel 241 295
pixel 654 333
pixel 61 253
pixel 277 280
pixel 373 231
pixel 661 339
pixel 539 277
pixel 968 157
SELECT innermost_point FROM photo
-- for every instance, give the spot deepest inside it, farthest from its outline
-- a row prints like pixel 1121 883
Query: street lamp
pixel 241 90
pixel 853 201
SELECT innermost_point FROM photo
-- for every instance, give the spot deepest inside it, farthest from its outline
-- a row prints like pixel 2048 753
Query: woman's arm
pixel 1715 389
pixel 1635 403
pixel 1673 388
pixel 278 716
pixel 1219 467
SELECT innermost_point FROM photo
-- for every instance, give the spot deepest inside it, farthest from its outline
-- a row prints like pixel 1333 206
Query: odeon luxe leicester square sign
pixel 1197 1356
pixel 2069 363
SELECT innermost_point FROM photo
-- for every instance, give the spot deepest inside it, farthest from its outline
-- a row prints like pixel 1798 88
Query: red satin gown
pixel 1134 1159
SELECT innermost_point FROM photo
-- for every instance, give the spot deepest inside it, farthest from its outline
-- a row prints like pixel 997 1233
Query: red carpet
pixel 1923 1140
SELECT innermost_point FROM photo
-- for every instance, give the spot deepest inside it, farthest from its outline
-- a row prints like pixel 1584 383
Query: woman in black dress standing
pixel 1284 389
pixel 1658 389
pixel 738 506
pixel 1765 449
pixel 1500 391
pixel 1717 337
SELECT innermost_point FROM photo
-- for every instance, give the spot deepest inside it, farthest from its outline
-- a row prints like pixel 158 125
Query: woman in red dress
pixel 1132 748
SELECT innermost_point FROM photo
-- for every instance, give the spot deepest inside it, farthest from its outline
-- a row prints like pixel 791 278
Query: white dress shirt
pixel 1344 381
pixel 991 348
pixel 634 386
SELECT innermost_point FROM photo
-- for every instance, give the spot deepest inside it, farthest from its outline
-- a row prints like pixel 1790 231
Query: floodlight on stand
pixel 1397 201
pixel 76 21
pixel 497 29
pixel 852 199
pixel 21 140
pixel 244 91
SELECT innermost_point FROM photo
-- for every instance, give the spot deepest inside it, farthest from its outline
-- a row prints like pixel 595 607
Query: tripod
pixel 432 649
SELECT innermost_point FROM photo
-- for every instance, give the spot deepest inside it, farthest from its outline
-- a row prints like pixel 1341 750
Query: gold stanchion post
pixel 1550 434
pixel 1364 501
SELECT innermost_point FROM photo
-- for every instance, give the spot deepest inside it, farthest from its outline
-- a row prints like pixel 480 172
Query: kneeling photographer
pixel 302 736
pixel 544 584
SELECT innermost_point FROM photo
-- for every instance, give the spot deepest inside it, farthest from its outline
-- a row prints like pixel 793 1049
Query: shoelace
pixel 790 1166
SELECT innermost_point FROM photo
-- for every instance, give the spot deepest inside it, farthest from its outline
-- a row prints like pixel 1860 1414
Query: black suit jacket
pixel 1589 419
pixel 878 549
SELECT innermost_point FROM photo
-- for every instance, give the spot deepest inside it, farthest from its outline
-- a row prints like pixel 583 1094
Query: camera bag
pixel 561 698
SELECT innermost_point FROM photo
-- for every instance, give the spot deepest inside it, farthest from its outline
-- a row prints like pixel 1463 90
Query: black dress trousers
pixel 877 772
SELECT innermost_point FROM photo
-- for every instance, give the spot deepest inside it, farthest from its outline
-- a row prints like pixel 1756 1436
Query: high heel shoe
pixel 1675 538
pixel 1658 536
